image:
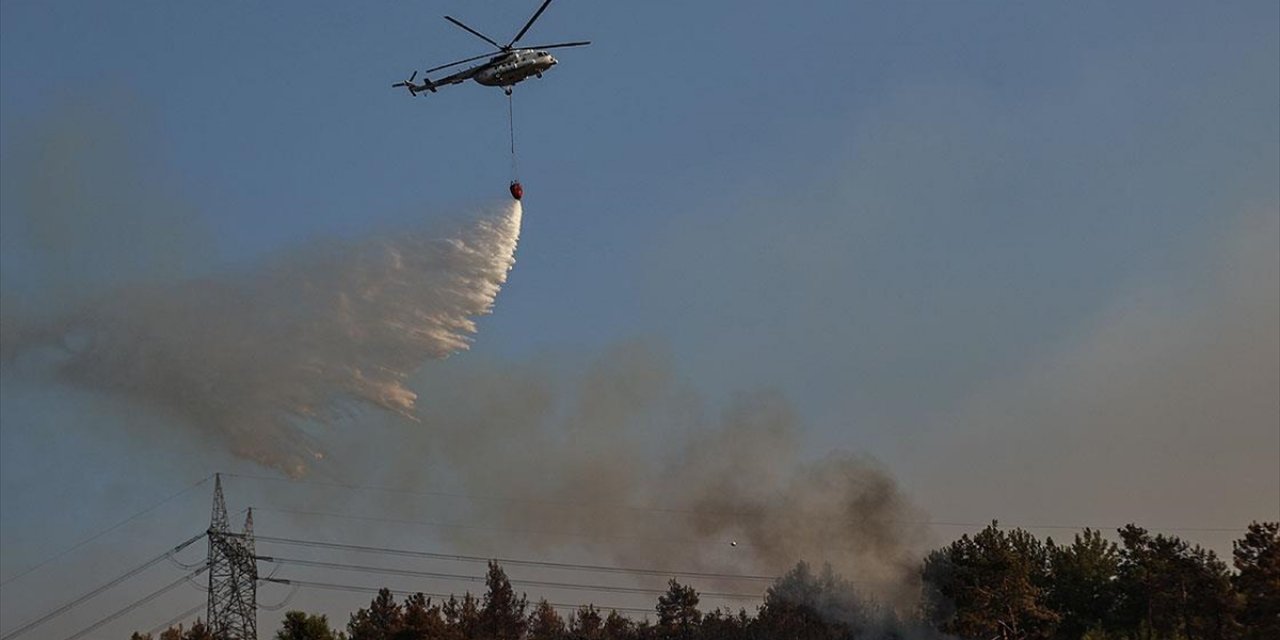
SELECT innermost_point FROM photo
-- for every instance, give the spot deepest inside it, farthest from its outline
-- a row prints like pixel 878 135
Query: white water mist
pixel 253 355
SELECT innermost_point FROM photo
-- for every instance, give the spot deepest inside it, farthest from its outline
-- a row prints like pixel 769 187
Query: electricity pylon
pixel 233 575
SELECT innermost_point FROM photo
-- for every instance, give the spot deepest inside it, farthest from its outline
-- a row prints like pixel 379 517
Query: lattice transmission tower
pixel 233 575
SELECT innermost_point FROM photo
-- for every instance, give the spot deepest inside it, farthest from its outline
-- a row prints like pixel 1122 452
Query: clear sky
pixel 1025 254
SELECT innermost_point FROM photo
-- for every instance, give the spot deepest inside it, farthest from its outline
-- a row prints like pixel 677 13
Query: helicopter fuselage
pixel 504 68
pixel 509 68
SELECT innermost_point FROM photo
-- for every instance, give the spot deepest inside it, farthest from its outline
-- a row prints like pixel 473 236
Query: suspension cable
pixel 178 618
pixel 279 605
pixel 109 529
pixel 78 601
pixel 512 561
pixel 573 586
pixel 511 125
pixel 401 592
pixel 138 603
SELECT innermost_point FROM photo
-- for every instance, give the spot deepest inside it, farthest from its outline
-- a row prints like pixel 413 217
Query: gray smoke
pixel 625 455
pixel 620 453
pixel 619 460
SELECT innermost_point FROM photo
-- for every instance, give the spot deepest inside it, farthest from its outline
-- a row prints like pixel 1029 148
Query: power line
pixel 513 561
pixel 107 530
pixel 176 619
pixel 465 496
pixel 574 586
pixel 401 592
pixel 654 509
pixel 80 600
pixel 283 603
pixel 138 603
pixel 472 527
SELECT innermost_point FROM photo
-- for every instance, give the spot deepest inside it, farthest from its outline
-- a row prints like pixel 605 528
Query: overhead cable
pixel 138 603
pixel 657 509
pixel 178 618
pixel 474 527
pixel 74 603
pixel 575 586
pixel 402 592
pixel 513 561
pixel 108 530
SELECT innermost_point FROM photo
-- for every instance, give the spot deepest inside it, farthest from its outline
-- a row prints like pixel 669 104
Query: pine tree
pixel 678 615
pixel 722 625
pixel 1083 589
pixel 198 631
pixel 1169 588
pixel 989 586
pixel 421 620
pixel 381 621
pixel 1256 557
pixel 503 614
pixel 297 625
pixel 545 623
pixel 617 627
pixel 586 624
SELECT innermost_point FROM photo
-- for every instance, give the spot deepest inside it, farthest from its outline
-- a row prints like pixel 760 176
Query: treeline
pixel 1009 584
pixel 1004 584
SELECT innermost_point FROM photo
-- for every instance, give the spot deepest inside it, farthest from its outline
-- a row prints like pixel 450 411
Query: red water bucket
pixel 517 191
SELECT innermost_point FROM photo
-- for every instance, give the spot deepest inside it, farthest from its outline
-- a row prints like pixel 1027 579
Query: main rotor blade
pixel 561 45
pixel 454 64
pixel 474 32
pixel 529 23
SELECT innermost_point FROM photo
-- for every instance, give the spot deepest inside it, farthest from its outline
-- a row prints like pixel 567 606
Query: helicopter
pixel 504 68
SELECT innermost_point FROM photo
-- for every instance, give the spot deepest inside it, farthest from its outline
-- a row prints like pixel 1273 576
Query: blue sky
pixel 894 213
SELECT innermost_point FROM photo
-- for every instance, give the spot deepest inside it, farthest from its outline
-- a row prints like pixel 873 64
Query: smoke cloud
pixel 620 453
pixel 259 355
pixel 616 459
pixel 637 463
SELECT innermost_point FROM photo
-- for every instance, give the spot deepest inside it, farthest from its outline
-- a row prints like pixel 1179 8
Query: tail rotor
pixel 408 84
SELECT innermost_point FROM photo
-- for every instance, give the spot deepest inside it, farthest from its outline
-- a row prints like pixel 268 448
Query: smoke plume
pixel 620 460
pixel 624 456
pixel 258 355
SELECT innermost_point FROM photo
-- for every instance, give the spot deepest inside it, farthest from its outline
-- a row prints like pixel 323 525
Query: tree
pixel 545 623
pixel 618 627
pixel 586 624
pixel 421 620
pixel 462 618
pixel 678 615
pixel 1170 589
pixel 381 621
pixel 989 586
pixel 1082 588
pixel 198 631
pixel 502 616
pixel 722 625
pixel 1256 557
pixel 297 625
pixel 805 605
